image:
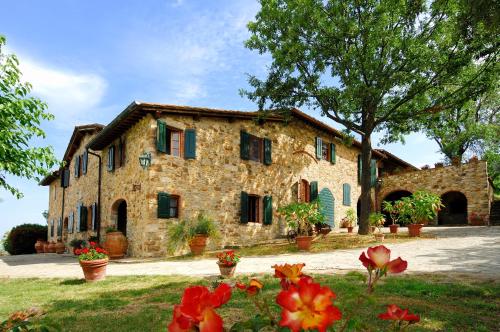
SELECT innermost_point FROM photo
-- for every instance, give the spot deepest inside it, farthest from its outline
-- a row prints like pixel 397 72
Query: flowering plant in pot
pixel 377 220
pixel 93 261
pixel 227 262
pixel 349 220
pixel 394 210
pixel 418 209
pixel 302 217
pixel 192 232
pixel 303 303
pixel 77 244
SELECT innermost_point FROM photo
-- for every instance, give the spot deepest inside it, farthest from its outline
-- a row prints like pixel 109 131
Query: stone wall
pixel 470 179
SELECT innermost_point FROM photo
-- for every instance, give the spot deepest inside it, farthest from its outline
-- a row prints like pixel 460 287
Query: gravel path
pixel 459 250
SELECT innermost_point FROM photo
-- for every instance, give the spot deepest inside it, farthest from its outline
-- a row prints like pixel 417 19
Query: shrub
pixel 22 238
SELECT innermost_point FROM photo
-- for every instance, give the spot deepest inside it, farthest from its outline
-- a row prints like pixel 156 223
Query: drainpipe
pixel 62 211
pixel 98 194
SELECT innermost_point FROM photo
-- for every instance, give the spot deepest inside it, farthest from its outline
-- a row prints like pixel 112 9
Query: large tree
pixel 369 65
pixel 20 119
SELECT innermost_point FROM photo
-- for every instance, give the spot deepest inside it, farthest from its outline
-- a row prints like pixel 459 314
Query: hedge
pixel 22 238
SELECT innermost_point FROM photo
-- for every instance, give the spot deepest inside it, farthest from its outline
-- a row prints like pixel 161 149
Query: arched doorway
pixel 454 211
pixel 119 212
pixel 392 197
pixel 327 206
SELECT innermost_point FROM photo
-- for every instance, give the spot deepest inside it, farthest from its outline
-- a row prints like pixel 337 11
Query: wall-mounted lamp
pixel 145 160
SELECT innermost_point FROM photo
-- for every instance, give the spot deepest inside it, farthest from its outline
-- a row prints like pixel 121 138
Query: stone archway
pixel 454 211
pixel 119 215
pixel 327 206
pixel 392 197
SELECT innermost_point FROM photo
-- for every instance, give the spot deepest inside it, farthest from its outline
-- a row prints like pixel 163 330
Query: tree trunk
pixel 366 156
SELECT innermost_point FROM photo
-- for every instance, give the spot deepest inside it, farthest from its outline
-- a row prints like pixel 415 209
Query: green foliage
pixel 420 207
pixel 254 324
pixel 77 243
pixel 376 219
pixel 350 218
pixel 20 119
pixel 302 216
pixel 393 209
pixel 111 229
pixel 368 65
pixel 179 234
pixel 21 239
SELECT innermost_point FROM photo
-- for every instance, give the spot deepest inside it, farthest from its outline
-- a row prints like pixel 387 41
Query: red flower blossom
pixel 396 313
pixel 197 309
pixel 288 273
pixel 93 244
pixel 307 306
pixel 379 258
pixel 252 289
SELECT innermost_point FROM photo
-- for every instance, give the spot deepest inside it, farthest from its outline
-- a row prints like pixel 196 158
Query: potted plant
pixel 377 220
pixel 227 262
pixel 393 208
pixel 77 244
pixel 475 219
pixel 39 246
pixel 349 220
pixel 60 247
pixel 419 208
pixel 193 232
pixel 116 243
pixel 93 261
pixel 302 217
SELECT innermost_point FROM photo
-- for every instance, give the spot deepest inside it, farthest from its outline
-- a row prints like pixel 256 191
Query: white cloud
pixel 71 96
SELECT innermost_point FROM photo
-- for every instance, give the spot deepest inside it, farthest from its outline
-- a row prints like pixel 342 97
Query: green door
pixel 327 206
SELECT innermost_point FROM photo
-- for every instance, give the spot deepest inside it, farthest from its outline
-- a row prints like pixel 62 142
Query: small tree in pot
pixel 349 220
pixel 377 220
pixel 418 209
pixel 302 217
pixel 192 232
pixel 394 209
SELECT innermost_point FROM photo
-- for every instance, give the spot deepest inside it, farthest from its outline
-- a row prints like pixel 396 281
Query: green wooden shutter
pixel 359 168
pixel 319 147
pixel 268 210
pixel 163 205
pixel 59 227
pixel 83 218
pixel 65 173
pixel 190 144
pixel 161 136
pixel 346 197
pixel 244 208
pixel 70 223
pixel 78 218
pixel 267 151
pixel 373 172
pixel 313 190
pixel 332 153
pixel 85 159
pixel 111 158
pixel 244 145
pixel 76 166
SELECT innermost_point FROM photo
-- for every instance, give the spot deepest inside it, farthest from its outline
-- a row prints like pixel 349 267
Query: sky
pixel 89 59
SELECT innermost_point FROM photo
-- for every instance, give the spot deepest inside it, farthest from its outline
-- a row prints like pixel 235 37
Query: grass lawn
pixel 144 303
pixel 327 243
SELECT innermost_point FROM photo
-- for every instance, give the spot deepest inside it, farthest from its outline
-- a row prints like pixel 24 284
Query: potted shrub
pixel 475 219
pixel 77 244
pixel 394 211
pixel 419 208
pixel 227 262
pixel 194 233
pixel 302 217
pixel 93 261
pixel 377 220
pixel 116 243
pixel 349 220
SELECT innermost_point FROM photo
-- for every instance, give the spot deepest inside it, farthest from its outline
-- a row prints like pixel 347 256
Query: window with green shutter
pixel 161 136
pixel 373 172
pixel 244 207
pixel 244 145
pixel 111 158
pixel 332 153
pixel 163 205
pixel 59 227
pixel 83 218
pixel 359 168
pixel 76 166
pixel 267 151
pixel 190 144
pixel 319 147
pixel 65 173
pixel 70 223
pixel 85 160
pixel 313 191
pixel 346 197
pixel 268 210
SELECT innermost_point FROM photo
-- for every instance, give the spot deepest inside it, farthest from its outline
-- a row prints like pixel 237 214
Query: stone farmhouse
pixel 155 164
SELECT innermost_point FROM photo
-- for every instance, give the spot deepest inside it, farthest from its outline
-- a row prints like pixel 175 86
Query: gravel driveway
pixel 468 250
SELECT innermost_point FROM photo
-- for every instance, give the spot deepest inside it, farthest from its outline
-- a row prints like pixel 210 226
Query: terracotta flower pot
pixel 51 247
pixel 39 246
pixel 304 242
pixel 349 229
pixel 379 237
pixel 372 229
pixel 198 244
pixel 94 270
pixel 414 229
pixel 60 247
pixel 225 270
pixel 45 247
pixel 325 230
pixel 116 245
pixel 394 228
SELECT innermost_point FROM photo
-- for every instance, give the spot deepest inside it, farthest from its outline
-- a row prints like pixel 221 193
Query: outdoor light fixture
pixel 145 160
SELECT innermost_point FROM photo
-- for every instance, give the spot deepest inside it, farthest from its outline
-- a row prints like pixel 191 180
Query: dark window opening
pixel 255 148
pixel 253 208
pixel 174 207
pixel 304 191
pixel 325 151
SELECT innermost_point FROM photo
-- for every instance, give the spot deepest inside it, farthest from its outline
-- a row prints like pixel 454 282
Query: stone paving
pixel 469 250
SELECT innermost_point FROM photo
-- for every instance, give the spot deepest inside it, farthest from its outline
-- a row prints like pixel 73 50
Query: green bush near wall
pixel 21 239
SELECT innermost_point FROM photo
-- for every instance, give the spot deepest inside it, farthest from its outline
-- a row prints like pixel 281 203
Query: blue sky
pixel 89 59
